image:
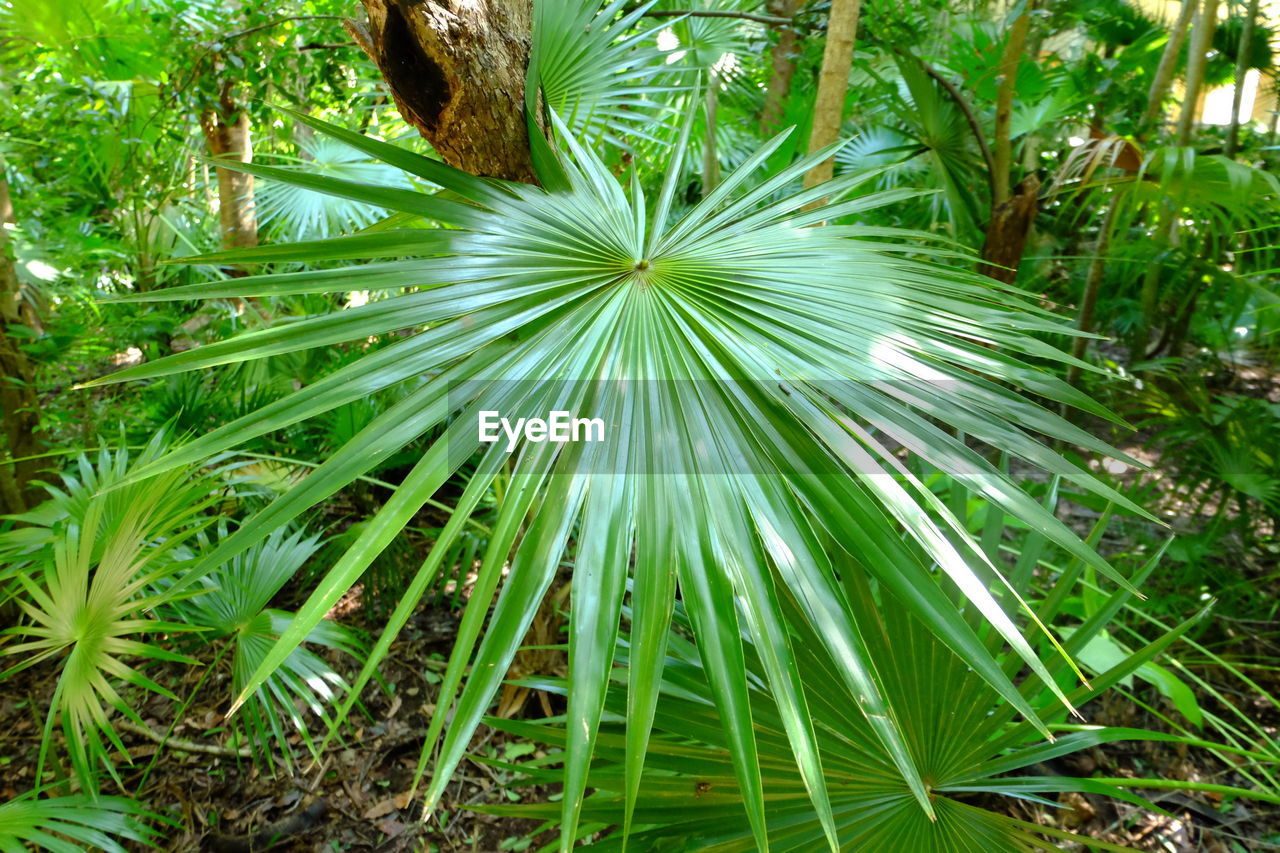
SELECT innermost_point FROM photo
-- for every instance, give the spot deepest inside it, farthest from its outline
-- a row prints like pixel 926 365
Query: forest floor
pixel 357 797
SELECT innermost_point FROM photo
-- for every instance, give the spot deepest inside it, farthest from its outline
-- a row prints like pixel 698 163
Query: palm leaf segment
pixel 234 604
pixel 90 570
pixel 75 823
pixel 740 357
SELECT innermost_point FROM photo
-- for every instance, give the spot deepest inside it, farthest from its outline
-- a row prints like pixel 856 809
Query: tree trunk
pixel 1168 63
pixel 710 154
pixel 1008 230
pixel 783 61
pixel 833 83
pixel 456 71
pixel 1011 218
pixel 1002 152
pixel 1242 69
pixel 1092 287
pixel 226 132
pixel 18 402
pixel 1197 57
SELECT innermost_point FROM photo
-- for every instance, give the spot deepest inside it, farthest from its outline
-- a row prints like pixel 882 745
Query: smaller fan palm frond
pixel 74 823
pixel 707 43
pixel 896 153
pixel 234 603
pixel 962 736
pixel 100 568
pixel 1260 53
pixel 930 138
pixel 599 70
pixel 175 506
pixel 297 213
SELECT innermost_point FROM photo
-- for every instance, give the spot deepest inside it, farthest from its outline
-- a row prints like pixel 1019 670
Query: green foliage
pixel 807 393
pixel 593 266
pixel 88 579
pixel 70 824
pixel 233 604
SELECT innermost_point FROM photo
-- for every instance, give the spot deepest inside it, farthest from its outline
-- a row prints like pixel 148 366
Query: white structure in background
pixel 1216 106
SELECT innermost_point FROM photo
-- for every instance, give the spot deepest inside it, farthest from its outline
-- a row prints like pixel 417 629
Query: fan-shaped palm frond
pixel 297 213
pixel 234 604
pixel 961 738
pixel 596 70
pixel 753 364
pixel 71 824
pixel 86 582
pixel 964 738
pixel 713 43
pixel 935 147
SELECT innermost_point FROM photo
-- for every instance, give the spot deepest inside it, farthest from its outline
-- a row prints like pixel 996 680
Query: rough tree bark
pixel 1168 64
pixel 783 62
pixel 1008 230
pixel 456 70
pixel 1197 58
pixel 19 405
pixel 833 83
pixel 226 132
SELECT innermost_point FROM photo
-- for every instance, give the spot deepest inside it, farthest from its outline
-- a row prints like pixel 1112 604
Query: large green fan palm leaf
pixel 754 369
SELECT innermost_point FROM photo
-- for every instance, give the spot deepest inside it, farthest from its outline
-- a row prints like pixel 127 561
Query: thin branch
pixel 277 22
pixel 182 745
pixel 717 13
pixel 969 115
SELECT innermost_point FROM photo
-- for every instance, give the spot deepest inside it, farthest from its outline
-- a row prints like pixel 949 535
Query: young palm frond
pixel 961 737
pixel 755 366
pixel 299 214
pixel 961 734
pixel 234 604
pixel 72 824
pixel 602 79
pixel 87 584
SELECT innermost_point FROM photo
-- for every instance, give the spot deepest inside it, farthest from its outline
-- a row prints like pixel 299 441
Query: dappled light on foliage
pixel 541 424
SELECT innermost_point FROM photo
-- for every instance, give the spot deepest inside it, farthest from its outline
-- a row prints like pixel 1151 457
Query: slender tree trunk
pixel 783 62
pixel 1242 69
pixel 833 83
pixel 1002 151
pixel 1092 287
pixel 19 405
pixel 1011 217
pixel 226 132
pixel 1197 57
pixel 710 154
pixel 1165 237
pixel 1163 78
pixel 456 70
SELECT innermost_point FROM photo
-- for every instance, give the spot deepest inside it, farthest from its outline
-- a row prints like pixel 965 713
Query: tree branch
pixel 966 109
pixel 717 13
pixel 179 744
pixel 277 22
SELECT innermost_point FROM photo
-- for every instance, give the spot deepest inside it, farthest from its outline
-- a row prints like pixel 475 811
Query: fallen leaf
pixel 391 827
pixel 387 806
